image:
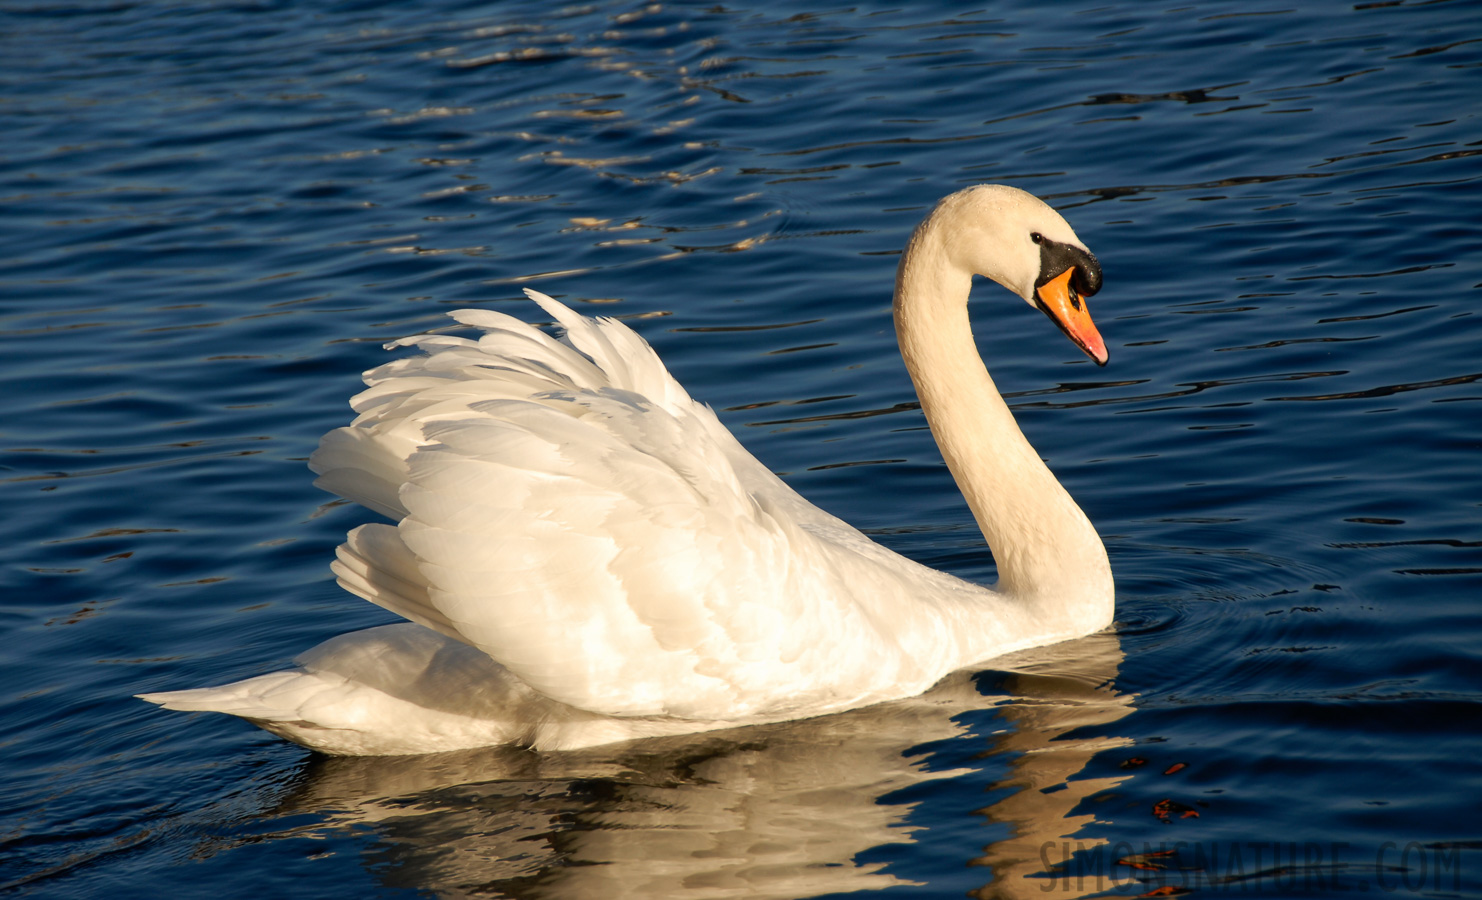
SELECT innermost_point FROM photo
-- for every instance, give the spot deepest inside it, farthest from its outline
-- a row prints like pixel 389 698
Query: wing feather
pixel 566 508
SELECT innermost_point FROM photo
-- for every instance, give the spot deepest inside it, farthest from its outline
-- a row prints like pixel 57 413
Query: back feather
pixel 565 507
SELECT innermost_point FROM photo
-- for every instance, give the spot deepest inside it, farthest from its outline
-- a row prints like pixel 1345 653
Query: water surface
pixel 212 215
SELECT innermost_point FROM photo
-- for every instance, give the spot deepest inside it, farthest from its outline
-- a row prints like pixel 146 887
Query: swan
pixel 586 555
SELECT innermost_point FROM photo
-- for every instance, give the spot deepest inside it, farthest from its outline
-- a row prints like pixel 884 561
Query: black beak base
pixel 1055 258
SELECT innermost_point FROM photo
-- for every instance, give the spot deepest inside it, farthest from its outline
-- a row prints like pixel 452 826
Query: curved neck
pixel 1044 546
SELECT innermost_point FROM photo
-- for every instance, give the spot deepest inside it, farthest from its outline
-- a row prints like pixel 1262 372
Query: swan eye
pixel 1036 237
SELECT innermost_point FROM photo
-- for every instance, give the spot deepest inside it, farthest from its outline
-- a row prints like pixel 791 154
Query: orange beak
pixel 1060 301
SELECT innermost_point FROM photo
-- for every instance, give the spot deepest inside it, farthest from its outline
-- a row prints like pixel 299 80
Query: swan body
pixel 586 555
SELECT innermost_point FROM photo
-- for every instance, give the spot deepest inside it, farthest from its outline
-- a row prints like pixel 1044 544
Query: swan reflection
pixel 770 811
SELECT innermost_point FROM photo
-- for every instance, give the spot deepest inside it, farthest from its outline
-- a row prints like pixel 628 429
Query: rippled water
pixel 211 215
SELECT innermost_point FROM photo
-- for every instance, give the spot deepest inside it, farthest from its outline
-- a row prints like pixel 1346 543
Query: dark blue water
pixel 212 215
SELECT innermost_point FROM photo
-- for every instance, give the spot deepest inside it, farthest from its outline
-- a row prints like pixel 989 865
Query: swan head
pixel 1017 240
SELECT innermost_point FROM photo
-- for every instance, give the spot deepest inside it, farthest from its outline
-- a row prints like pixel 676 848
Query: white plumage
pixel 588 555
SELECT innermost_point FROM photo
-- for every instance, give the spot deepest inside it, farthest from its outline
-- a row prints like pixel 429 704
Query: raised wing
pixel 565 507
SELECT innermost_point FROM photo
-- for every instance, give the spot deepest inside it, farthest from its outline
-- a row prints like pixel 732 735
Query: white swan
pixel 589 556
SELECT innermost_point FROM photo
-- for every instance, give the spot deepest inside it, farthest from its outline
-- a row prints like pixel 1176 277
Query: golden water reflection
pixel 778 811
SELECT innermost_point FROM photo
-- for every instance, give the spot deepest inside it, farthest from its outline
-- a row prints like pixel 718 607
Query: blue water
pixel 212 215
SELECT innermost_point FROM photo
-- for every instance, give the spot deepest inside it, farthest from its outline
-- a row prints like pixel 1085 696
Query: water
pixel 212 215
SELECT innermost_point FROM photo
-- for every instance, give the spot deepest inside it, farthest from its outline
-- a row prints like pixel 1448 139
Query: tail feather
pixel 260 699
pixel 436 694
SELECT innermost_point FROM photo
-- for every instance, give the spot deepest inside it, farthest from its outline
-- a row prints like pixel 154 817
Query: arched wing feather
pixel 564 506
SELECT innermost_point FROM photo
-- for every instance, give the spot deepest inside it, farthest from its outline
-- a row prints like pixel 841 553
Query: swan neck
pixel 1042 543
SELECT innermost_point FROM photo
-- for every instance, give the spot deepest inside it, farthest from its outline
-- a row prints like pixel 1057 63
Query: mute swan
pixel 587 555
